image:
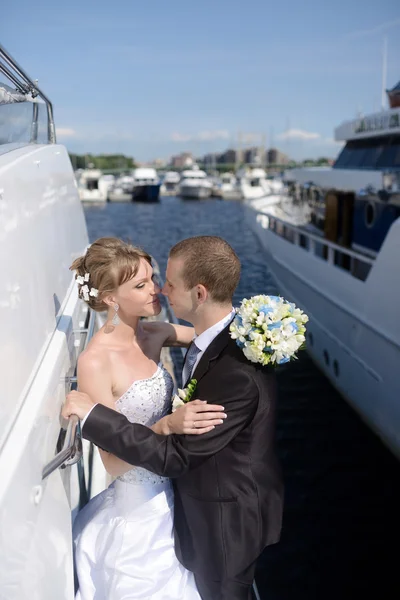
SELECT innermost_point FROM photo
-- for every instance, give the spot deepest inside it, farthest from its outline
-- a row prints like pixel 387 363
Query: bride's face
pixel 138 297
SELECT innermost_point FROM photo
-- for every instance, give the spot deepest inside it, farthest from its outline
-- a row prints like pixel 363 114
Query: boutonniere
pixel 184 395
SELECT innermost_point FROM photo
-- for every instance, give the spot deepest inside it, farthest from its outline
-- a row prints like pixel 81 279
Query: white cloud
pixel 332 142
pixel 378 29
pixel 202 136
pixel 65 132
pixel 298 134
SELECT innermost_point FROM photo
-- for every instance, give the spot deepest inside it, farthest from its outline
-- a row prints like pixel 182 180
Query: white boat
pixel 229 189
pixel 44 326
pixel 122 189
pixel 252 183
pixel 335 253
pixel 93 186
pixel 170 183
pixel 195 184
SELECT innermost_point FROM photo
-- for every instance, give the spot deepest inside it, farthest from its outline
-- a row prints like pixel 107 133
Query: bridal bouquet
pixel 269 329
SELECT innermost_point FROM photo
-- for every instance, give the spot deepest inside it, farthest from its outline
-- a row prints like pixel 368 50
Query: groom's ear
pixel 201 293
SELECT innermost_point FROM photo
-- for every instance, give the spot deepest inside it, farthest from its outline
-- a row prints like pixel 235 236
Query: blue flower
pixel 295 327
pixel 239 343
pixel 268 349
pixel 276 325
pixel 239 321
pixel 275 298
pixel 283 360
pixel 265 309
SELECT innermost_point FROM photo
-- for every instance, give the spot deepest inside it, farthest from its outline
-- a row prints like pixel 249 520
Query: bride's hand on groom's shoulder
pixel 195 418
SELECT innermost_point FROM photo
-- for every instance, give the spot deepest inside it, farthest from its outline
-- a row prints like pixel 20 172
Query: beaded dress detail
pixel 146 402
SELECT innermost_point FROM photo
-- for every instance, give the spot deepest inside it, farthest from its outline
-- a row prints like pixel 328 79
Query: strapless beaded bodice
pixel 145 402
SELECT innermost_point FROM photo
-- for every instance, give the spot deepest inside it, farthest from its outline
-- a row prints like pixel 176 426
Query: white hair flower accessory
pixel 81 279
pixel 84 290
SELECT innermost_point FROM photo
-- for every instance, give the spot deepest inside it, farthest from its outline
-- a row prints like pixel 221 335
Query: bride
pixel 123 538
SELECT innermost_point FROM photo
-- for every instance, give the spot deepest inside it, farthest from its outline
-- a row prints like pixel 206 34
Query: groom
pixel 227 483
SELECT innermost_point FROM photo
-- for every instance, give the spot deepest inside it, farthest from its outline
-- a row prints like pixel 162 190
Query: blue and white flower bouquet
pixel 269 329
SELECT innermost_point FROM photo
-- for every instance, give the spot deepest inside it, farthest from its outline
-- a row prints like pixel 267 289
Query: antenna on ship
pixel 384 71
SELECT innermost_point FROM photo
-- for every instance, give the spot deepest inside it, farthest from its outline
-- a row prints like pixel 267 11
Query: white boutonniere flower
pixel 184 395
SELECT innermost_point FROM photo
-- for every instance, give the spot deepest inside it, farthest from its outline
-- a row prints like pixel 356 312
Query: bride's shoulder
pixel 95 358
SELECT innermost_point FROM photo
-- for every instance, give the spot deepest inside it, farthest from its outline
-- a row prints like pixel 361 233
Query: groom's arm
pixel 173 455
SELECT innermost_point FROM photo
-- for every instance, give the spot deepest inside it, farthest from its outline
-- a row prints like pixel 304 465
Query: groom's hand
pixel 77 403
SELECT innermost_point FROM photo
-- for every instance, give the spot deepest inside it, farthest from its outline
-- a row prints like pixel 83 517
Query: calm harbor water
pixel 341 520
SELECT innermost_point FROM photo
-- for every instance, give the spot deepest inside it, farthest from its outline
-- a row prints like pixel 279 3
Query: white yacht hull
pixel 198 192
pixel 41 231
pixel 354 329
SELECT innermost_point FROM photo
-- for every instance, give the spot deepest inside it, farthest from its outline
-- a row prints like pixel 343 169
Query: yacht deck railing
pixel 25 85
pixel 358 265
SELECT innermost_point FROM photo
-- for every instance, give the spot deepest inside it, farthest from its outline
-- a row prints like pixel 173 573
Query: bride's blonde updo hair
pixel 110 262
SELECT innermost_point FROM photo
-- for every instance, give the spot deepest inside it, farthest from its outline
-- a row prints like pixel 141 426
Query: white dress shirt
pixel 202 342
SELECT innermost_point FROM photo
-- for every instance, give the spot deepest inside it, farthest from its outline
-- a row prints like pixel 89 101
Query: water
pixel 342 501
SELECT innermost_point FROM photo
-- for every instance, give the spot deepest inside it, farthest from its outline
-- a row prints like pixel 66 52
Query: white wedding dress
pixel 123 539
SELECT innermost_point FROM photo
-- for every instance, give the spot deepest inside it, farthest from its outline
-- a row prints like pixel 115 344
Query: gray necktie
pixel 190 359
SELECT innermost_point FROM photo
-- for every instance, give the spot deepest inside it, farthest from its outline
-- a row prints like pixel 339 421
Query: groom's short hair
pixel 211 261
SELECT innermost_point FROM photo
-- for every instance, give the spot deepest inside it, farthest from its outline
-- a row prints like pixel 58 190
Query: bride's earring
pixel 116 319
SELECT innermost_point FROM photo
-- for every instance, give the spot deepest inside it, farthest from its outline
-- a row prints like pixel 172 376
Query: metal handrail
pixel 313 237
pixel 27 86
pixel 71 451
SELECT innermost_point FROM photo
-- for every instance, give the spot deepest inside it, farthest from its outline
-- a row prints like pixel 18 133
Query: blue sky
pixel 153 79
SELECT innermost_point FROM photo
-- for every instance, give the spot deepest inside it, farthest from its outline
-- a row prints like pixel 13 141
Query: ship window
pixel 373 153
pixel 370 214
pixel 390 157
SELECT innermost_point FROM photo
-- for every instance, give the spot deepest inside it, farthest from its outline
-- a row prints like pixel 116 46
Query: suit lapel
pixel 211 353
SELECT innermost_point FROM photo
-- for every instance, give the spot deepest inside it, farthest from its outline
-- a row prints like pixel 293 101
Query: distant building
pixel 229 157
pixel 275 157
pixel 210 160
pixel 255 155
pixel 185 159
pixel 159 163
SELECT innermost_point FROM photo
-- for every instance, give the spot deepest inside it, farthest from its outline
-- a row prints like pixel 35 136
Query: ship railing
pixel 23 97
pixel 69 443
pixel 356 264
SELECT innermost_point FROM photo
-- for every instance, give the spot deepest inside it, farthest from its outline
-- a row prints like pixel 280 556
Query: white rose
pixel 176 403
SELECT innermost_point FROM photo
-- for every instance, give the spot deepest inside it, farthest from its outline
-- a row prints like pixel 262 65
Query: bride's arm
pixel 94 379
pixel 193 418
pixel 171 334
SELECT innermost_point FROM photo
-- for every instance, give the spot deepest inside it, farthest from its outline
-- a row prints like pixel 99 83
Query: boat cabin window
pixel 92 184
pixel 16 122
pixel 382 152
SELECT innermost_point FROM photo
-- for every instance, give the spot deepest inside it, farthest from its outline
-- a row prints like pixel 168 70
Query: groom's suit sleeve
pixel 173 455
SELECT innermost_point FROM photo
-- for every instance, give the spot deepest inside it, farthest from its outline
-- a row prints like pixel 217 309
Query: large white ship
pixel 44 326
pixel 334 250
